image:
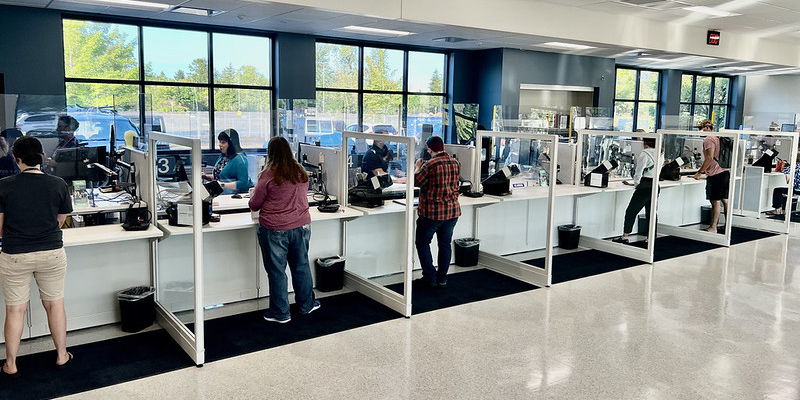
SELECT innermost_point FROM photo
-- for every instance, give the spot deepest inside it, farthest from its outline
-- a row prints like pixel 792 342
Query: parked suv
pixel 94 128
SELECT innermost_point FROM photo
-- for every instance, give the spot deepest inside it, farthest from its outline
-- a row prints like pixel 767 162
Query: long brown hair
pixel 284 167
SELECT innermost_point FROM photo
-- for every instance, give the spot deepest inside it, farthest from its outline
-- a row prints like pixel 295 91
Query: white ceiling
pixel 774 19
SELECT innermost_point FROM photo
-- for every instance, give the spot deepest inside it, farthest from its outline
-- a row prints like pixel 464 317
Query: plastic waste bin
pixel 329 273
pixel 569 236
pixel 705 215
pixel 466 251
pixel 136 308
pixel 643 223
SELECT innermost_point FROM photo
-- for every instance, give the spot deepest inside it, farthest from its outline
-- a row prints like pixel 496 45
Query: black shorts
pixel 717 186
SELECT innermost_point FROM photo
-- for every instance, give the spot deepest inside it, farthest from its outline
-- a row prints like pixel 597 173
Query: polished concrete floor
pixel 724 324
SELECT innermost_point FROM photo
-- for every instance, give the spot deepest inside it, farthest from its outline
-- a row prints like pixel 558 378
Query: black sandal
pixel 66 364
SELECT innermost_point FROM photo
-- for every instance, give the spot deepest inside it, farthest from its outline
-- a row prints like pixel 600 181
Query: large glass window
pixel 706 97
pixel 636 100
pixel 398 92
pixel 236 67
pixel 95 50
pixel 175 55
pixel 102 63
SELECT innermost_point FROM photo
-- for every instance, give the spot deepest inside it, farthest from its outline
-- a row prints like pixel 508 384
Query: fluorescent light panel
pixel 711 11
pixel 195 11
pixel 569 46
pixel 126 3
pixel 373 31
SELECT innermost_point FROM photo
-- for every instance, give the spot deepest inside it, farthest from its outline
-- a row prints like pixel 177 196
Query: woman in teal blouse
pixel 231 170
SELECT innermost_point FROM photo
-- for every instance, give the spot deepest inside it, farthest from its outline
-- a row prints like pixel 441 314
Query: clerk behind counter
pixel 376 161
pixel 231 169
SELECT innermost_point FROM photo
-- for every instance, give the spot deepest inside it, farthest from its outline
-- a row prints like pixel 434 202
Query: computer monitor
pixel 75 163
pixel 765 161
pixel 171 168
pixel 787 127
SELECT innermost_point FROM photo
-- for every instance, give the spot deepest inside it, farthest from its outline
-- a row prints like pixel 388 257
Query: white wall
pixel 771 98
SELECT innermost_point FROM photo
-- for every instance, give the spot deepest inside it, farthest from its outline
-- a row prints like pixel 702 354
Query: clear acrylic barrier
pixel 179 270
pixel 683 206
pixel 31 112
pixel 516 170
pixel 379 246
pixel 764 193
pixel 773 122
pixel 465 123
pixel 620 174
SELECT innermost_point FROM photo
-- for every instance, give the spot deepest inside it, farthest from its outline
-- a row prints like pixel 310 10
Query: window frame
pixel 692 103
pixel 636 101
pixel 209 86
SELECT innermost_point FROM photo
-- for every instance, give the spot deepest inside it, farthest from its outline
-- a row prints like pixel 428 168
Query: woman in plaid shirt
pixel 438 180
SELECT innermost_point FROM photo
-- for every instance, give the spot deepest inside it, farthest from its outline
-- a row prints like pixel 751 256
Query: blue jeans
pixel 444 235
pixel 278 248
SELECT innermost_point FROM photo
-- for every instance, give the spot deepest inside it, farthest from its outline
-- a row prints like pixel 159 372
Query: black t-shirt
pixel 31 204
pixel 376 157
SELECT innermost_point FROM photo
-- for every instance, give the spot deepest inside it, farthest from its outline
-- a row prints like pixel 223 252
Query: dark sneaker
pixel 314 308
pixel 268 316
pixel 620 240
pixel 441 284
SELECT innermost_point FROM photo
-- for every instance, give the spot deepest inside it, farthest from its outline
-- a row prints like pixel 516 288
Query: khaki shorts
pixel 48 267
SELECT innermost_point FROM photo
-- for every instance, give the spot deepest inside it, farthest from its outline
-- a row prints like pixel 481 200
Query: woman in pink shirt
pixel 284 231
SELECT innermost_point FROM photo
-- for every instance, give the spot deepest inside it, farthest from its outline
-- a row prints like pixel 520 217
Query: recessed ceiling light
pixel 126 3
pixel 373 31
pixel 450 39
pixel 711 11
pixel 195 11
pixel 568 46
pixel 652 59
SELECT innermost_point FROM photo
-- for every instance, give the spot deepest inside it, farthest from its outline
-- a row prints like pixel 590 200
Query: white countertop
pixel 89 235
pixel 245 220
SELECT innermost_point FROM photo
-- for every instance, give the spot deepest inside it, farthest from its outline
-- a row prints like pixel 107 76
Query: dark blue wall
pixel 489 83
pixel 556 69
pixel 295 60
pixel 670 92
pixel 738 85
pixel 32 51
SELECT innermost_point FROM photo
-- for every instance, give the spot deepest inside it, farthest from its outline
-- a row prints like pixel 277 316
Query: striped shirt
pixel 438 183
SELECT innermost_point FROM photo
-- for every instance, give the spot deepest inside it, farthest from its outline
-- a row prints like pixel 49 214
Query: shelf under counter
pixel 88 235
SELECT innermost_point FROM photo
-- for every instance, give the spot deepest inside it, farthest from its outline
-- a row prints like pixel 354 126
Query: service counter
pixel 101 261
pixel 233 268
pixel 374 242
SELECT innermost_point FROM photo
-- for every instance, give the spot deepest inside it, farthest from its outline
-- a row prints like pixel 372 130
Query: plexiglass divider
pixel 770 121
pixel 528 161
pixel 191 341
pixel 764 196
pixel 610 199
pixel 684 210
pixel 370 236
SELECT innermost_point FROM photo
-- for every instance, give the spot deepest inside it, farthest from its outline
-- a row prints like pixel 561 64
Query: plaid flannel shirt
pixel 438 188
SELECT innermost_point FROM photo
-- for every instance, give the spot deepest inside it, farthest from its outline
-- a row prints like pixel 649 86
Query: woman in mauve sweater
pixel 284 231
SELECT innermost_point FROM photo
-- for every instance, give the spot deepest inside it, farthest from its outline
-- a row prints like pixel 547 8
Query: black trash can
pixel 705 215
pixel 466 251
pixel 329 273
pixel 569 236
pixel 642 224
pixel 136 307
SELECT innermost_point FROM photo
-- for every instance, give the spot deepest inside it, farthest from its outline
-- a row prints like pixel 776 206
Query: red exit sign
pixel 713 38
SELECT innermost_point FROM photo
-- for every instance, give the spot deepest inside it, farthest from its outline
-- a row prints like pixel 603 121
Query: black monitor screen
pixel 75 163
